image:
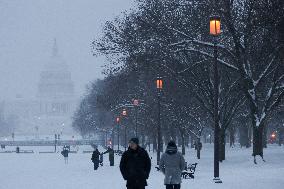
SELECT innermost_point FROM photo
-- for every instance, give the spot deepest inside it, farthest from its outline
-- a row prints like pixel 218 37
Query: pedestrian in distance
pixel 110 152
pixel 96 158
pixel 65 153
pixel 135 165
pixel 101 159
pixel 172 164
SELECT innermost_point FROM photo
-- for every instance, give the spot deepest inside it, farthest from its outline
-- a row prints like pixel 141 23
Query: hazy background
pixel 27 31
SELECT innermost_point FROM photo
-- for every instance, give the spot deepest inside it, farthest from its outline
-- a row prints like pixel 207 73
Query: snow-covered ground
pixel 48 171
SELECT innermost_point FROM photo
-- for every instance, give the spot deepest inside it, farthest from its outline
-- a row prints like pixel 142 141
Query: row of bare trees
pixel 170 39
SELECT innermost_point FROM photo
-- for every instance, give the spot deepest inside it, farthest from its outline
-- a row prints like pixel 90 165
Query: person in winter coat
pixel 101 159
pixel 110 155
pixel 65 153
pixel 135 165
pixel 96 158
pixel 172 163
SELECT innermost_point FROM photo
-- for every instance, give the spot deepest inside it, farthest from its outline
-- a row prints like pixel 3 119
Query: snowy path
pixel 48 171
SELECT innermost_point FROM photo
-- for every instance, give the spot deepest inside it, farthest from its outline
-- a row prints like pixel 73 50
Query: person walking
pixel 110 152
pixel 65 153
pixel 172 164
pixel 135 165
pixel 96 158
pixel 101 159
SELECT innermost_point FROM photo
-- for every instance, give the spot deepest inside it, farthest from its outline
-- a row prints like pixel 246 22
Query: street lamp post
pixel 135 102
pixel 215 30
pixel 55 141
pixel 117 121
pixel 159 83
pixel 124 113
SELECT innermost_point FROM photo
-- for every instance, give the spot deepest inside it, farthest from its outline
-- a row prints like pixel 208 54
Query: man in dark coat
pixel 110 155
pixel 135 165
pixel 96 158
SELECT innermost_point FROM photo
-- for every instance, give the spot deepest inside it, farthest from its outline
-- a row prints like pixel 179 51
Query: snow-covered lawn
pixel 48 171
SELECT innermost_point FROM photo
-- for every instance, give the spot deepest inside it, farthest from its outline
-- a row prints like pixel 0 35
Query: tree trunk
pixel 280 136
pixel 182 144
pixel 198 147
pixel 232 137
pixel 143 142
pixel 250 133
pixel 162 143
pixel 257 142
pixel 154 144
pixel 186 138
pixel 264 137
pixel 222 145
pixel 149 143
pixel 179 141
pixel 244 136
pixel 198 153
pixel 191 142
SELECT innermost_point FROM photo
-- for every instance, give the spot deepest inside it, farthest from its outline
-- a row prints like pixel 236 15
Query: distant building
pixel 50 112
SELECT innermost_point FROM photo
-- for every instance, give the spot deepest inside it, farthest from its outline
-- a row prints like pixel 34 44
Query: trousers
pixel 172 186
pixel 135 187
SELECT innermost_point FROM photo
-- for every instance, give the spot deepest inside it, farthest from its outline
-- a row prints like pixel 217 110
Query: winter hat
pixel 134 140
pixel 172 144
pixel 171 148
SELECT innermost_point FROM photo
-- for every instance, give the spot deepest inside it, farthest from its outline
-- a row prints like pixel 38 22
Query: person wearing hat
pixel 96 157
pixel 172 163
pixel 135 165
pixel 110 151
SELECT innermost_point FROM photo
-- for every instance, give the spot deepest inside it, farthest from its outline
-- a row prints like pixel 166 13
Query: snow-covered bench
pixel 188 172
pixel 118 152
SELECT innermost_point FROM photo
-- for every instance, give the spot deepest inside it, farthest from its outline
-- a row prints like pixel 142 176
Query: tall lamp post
pixel 135 103
pixel 159 83
pixel 124 113
pixel 117 121
pixel 215 30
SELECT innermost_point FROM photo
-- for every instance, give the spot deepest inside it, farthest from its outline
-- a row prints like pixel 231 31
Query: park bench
pixel 47 152
pixel 188 172
pixel 26 151
pixel 118 152
pixel 7 151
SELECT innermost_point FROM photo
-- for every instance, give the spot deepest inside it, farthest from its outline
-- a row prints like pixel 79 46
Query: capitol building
pixel 51 111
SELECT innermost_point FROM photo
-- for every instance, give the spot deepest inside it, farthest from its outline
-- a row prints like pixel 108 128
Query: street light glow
pixel 135 102
pixel 124 112
pixel 159 83
pixel 215 25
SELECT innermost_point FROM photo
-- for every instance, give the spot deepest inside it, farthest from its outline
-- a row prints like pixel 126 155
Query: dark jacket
pixel 111 154
pixel 96 157
pixel 65 152
pixel 135 166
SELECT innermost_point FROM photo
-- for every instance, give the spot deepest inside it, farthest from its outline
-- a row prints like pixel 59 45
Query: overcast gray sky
pixel 27 30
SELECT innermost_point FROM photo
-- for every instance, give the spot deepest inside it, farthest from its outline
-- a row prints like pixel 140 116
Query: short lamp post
pixel 124 113
pixel 215 30
pixel 117 121
pixel 135 103
pixel 159 84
